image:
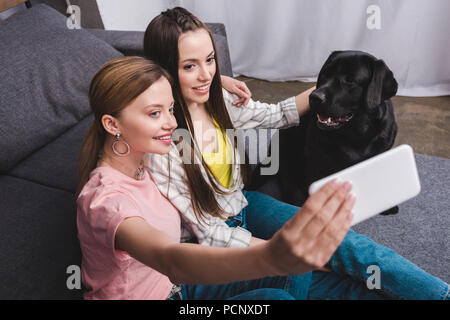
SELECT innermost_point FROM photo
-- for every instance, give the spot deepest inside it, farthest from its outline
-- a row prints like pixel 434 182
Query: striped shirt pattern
pixel 214 231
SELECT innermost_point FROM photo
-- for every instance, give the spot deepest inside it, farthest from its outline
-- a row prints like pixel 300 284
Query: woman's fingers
pixel 239 102
pixel 246 90
pixel 243 92
pixel 236 87
pixel 313 204
pixel 334 233
pixel 328 211
pixel 342 220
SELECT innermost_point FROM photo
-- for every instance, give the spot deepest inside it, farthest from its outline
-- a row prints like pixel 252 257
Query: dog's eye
pixel 348 80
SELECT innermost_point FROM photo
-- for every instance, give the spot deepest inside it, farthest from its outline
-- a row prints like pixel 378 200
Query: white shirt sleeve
pixel 257 114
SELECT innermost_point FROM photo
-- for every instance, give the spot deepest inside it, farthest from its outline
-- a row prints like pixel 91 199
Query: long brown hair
pixel 161 45
pixel 115 85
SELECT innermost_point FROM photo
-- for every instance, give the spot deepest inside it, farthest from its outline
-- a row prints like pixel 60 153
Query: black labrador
pixel 351 119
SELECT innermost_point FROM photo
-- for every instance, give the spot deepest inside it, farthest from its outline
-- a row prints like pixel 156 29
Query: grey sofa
pixel 44 114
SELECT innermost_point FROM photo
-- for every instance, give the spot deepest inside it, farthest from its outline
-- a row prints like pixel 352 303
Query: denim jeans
pixel 273 288
pixel 399 278
pixel 321 286
pixel 263 217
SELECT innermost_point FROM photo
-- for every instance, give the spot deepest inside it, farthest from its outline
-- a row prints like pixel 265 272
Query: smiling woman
pixel 197 66
pixel 133 115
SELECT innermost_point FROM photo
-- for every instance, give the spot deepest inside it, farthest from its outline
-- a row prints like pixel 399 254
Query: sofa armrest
pixel 131 43
pixel 223 51
pixel 217 28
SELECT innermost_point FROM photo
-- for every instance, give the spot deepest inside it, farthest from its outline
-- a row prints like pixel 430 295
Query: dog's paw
pixel 390 211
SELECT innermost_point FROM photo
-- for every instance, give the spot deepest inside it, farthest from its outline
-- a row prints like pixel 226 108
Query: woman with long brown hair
pixel 130 233
pixel 207 185
pixel 211 190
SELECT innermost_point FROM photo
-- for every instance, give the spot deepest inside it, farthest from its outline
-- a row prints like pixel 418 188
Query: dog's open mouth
pixel 330 122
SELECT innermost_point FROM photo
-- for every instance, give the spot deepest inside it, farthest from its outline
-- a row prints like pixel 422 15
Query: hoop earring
pixel 118 140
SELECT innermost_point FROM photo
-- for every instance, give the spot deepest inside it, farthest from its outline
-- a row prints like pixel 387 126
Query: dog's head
pixel 351 85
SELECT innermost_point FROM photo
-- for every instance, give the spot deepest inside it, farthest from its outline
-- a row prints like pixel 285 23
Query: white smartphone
pixel 379 183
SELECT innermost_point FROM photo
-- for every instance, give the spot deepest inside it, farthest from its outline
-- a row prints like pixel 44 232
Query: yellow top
pixel 220 162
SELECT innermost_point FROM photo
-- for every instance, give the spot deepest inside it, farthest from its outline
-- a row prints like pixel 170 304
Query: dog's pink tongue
pixel 323 118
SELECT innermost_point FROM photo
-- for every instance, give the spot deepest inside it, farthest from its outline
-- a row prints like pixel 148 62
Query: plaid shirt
pixel 214 231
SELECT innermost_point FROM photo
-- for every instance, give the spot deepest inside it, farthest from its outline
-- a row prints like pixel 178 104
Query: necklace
pixel 140 171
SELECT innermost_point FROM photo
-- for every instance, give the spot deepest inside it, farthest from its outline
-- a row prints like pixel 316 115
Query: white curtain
pixel 290 39
pixel 131 15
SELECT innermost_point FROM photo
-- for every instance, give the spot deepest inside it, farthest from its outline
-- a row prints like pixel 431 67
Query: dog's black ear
pixel 381 87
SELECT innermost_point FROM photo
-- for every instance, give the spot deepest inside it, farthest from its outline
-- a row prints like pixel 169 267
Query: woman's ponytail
pixel 90 150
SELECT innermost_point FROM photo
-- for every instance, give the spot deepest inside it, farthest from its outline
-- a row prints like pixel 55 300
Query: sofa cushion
pixel 38 241
pixel 46 71
pixel 55 164
pixel 129 43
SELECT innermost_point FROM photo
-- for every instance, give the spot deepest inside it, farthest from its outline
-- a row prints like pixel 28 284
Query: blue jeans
pixel 399 278
pixel 265 215
pixel 262 289
pixel 322 285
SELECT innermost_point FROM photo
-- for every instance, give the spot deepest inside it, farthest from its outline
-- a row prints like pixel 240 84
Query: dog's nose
pixel 316 97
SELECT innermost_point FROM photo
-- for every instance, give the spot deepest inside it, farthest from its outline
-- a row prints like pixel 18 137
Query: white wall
pixel 279 40
pixel 131 15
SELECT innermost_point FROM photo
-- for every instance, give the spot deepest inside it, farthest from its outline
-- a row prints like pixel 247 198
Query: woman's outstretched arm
pixel 304 243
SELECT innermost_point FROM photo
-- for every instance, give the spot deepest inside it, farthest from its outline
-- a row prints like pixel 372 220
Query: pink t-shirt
pixel 106 200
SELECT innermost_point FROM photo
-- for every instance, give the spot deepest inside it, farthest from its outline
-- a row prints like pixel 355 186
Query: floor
pixel 424 122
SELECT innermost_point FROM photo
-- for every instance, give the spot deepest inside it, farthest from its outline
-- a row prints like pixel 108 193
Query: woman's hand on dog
pixel 302 101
